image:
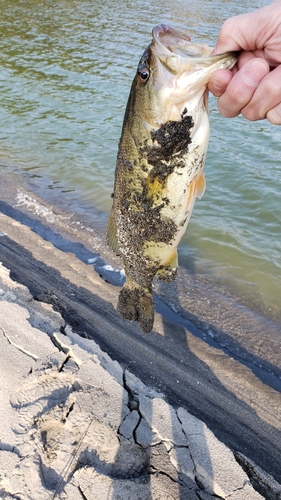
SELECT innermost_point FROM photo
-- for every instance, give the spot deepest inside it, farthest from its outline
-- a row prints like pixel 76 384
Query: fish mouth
pixel 177 54
pixel 170 42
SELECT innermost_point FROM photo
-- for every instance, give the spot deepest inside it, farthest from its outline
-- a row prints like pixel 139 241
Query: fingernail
pixel 255 71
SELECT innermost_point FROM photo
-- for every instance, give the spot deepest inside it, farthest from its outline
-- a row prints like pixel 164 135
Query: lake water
pixel 65 72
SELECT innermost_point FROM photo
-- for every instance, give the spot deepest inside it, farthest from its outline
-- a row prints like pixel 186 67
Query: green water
pixel 65 73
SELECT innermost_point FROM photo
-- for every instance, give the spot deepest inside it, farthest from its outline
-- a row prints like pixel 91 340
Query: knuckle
pixel 273 87
pixel 227 26
pixel 252 114
pixel 240 92
pixel 226 110
pixel 216 92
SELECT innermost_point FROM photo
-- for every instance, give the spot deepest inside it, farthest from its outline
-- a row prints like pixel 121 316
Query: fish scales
pixel 160 161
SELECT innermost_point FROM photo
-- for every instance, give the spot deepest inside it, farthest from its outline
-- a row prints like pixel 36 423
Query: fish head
pixel 173 74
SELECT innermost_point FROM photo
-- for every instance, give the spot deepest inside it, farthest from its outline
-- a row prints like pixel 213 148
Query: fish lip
pixel 182 47
pixel 169 41
pixel 164 29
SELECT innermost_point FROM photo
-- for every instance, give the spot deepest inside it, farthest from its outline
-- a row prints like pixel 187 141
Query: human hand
pixel 253 86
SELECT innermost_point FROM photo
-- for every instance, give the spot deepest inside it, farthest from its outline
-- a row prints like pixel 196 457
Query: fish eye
pixel 143 75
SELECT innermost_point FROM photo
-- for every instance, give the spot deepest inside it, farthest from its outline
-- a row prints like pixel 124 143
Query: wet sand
pixel 90 404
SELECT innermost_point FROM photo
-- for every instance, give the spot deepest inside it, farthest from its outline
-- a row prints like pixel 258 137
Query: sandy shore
pixel 77 424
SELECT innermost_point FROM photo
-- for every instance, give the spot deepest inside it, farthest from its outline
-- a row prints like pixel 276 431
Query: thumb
pixel 237 33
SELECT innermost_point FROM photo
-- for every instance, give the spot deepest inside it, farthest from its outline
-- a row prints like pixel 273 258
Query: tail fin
pixel 135 303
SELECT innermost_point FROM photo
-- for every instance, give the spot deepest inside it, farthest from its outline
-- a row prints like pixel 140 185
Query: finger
pixel 242 87
pixel 274 115
pixel 249 31
pixel 244 58
pixel 221 77
pixel 231 35
pixel 219 81
pixel 266 99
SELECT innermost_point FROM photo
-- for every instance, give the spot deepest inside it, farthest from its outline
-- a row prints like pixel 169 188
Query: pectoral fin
pixel 196 190
pixel 200 186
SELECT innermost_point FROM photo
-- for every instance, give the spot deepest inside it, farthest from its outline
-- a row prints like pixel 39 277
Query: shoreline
pixel 82 221
pixel 190 373
pixel 73 422
pixel 194 301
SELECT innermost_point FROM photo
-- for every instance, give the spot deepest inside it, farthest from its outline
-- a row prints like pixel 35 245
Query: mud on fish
pixel 160 161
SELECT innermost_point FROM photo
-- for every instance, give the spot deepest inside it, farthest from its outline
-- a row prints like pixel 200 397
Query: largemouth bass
pixel 159 170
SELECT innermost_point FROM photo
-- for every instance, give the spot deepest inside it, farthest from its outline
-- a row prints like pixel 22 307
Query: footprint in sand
pixel 63 438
